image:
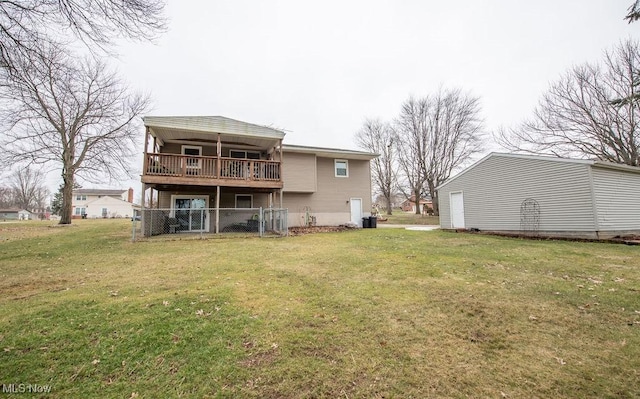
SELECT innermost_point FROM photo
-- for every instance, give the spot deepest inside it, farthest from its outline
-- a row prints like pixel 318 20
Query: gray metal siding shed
pixel 495 187
pixel 617 196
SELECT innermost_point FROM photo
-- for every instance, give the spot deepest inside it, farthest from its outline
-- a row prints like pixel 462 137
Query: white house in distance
pixel 546 196
pixel 101 203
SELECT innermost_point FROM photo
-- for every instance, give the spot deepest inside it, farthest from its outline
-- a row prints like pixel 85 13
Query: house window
pixel 195 151
pixel 81 197
pixel 342 168
pixel 81 211
pixel 244 201
pixel 241 154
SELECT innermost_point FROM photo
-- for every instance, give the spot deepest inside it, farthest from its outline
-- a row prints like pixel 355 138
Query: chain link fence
pixel 201 222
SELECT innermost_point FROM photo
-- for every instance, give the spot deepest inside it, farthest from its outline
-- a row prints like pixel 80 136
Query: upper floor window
pixel 193 150
pixel 341 167
pixel 241 154
pixel 80 197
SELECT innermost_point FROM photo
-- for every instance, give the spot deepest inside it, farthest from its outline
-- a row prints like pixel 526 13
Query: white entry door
pixel 356 211
pixel 457 210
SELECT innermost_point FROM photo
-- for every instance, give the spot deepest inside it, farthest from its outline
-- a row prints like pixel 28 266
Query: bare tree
pixel 29 189
pixel 6 197
pixel 454 136
pixel 438 134
pixel 74 114
pixel 27 26
pixel 633 13
pixel 378 137
pixel 591 111
pixel 412 146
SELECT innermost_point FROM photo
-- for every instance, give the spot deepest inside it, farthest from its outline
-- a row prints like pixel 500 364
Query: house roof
pixel 109 200
pixel 591 162
pixel 329 152
pixel 200 128
pixel 98 191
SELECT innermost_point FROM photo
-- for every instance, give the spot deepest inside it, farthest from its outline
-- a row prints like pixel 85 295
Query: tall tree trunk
pixel 388 198
pixel 435 204
pixel 434 197
pixel 416 195
pixel 67 198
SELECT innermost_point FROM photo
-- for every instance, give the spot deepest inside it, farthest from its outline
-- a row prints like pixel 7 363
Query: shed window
pixel 342 168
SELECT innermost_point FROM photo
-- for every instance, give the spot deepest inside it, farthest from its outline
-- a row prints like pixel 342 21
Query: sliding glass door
pixel 191 212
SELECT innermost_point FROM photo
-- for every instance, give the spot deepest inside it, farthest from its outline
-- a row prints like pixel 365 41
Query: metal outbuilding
pixel 541 195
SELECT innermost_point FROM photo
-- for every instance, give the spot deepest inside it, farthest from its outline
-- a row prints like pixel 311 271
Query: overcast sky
pixel 318 69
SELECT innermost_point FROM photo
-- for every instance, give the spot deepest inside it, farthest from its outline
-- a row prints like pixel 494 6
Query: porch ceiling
pixel 210 189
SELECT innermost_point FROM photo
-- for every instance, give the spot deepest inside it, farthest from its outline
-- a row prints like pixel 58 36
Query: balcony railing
pixel 176 165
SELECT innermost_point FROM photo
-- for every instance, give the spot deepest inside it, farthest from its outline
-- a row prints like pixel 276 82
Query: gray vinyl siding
pixel 495 188
pixel 617 196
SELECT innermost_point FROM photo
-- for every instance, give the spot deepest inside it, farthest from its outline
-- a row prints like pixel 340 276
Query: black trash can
pixel 373 222
pixel 366 223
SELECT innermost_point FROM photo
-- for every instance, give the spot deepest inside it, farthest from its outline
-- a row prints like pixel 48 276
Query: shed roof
pixel 591 162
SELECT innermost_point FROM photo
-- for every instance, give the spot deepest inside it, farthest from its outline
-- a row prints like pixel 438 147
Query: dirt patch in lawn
pixel 298 231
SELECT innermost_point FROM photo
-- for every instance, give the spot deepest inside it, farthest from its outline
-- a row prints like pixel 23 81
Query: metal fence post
pixel 260 219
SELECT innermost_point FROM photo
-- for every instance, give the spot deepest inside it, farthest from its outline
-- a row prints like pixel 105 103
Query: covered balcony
pixel 211 170
pixel 211 151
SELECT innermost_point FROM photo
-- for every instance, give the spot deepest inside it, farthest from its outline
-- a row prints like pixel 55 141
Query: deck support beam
pixel 217 209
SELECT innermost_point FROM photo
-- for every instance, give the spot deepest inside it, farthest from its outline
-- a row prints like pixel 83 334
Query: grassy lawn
pixel 358 314
pixel 400 217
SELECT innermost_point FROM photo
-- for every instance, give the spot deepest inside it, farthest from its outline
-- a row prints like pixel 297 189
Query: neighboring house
pixel 409 205
pixel 10 214
pixel 547 196
pixel 15 214
pixel 217 162
pixel 101 203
